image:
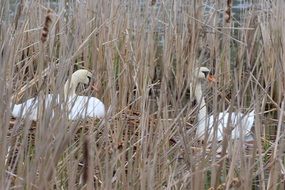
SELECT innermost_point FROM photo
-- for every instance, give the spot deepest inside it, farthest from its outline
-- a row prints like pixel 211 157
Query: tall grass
pixel 143 53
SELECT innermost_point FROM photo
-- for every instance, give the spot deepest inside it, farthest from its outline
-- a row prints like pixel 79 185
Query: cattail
pixel 85 160
pixel 228 11
pixel 235 183
pixel 47 23
pixel 152 2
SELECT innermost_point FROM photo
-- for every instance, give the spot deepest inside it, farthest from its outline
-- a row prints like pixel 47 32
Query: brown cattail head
pixel 152 2
pixel 228 12
pixel 235 183
pixel 47 23
pixel 85 159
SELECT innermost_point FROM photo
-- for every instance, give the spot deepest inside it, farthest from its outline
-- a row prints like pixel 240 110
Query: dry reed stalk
pixel 18 13
pixel 143 55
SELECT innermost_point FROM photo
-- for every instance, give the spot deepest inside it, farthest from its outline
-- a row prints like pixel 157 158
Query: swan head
pixel 204 73
pixel 80 76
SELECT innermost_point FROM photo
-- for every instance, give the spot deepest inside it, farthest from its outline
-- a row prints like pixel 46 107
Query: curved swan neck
pixel 202 112
pixel 70 87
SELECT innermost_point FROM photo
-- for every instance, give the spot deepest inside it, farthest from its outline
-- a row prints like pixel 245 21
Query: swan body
pixel 29 108
pixel 241 124
pixel 94 109
pixel 78 107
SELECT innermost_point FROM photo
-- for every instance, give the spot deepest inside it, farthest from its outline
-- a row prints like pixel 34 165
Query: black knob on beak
pixel 205 73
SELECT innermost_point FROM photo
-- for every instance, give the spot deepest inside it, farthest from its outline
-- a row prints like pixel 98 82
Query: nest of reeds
pixel 129 118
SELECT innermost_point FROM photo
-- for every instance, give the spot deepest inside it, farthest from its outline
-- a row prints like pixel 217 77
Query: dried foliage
pixel 143 54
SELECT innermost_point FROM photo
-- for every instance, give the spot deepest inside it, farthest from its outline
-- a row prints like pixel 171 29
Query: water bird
pixel 78 107
pixel 241 123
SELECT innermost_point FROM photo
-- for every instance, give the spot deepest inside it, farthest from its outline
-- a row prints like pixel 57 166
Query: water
pixel 238 5
pixel 241 5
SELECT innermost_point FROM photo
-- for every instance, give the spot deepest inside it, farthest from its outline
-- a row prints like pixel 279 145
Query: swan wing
pixel 29 108
pixel 83 106
pixel 243 124
pixel 238 119
pixel 96 108
pixel 221 121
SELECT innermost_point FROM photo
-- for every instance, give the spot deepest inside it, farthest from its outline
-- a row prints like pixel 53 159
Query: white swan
pixel 79 107
pixel 241 123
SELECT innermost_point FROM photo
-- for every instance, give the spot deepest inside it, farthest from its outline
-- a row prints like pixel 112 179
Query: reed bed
pixel 143 53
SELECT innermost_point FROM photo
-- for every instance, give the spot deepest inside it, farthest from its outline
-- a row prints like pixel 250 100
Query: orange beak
pixel 211 78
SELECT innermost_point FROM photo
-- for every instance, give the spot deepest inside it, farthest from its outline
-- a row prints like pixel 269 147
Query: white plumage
pixel 241 123
pixel 78 107
pixel 84 106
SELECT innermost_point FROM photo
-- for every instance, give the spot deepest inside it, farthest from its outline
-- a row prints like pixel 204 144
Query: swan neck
pixel 70 87
pixel 202 113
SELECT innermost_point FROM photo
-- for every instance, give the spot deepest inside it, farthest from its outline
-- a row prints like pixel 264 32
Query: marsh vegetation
pixel 143 54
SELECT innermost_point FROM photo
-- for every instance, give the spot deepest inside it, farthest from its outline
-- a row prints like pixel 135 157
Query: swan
pixel 241 123
pixel 79 107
